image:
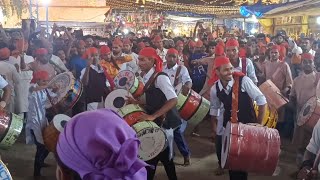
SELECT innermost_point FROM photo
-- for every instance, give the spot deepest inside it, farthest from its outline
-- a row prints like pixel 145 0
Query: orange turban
pixel 40 75
pixel 104 50
pixel 4 53
pixel 232 42
pixel 152 53
pixel 275 47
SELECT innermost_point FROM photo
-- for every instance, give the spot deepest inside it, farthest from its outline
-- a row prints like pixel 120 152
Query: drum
pixel 273 94
pixel 117 99
pixel 127 80
pixel 10 128
pixel 250 148
pixel 4 172
pixel 67 96
pixel 310 113
pixel 192 107
pixel 271 116
pixel 152 139
pixel 51 133
pixel 130 113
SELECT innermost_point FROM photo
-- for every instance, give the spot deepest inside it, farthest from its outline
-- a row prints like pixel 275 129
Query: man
pixel 127 49
pixel 53 59
pixel 179 74
pixel 304 87
pixel 161 101
pixel 5 93
pixel 179 48
pixel 260 64
pixel 221 93
pixel 77 63
pixel 161 51
pixel 243 65
pixel 10 74
pixel 125 60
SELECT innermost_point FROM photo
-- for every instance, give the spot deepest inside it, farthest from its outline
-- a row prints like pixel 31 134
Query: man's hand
pixel 306 173
pixel 131 100
pixel 146 117
pixel 185 90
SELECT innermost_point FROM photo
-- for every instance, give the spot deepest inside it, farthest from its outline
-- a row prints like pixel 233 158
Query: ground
pixel 19 160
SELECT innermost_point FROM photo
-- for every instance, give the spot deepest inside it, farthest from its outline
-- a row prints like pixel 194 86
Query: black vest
pixel 96 87
pixel 246 112
pixel 155 99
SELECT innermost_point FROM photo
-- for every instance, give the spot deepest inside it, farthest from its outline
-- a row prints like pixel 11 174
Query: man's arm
pixel 251 73
pixel 186 80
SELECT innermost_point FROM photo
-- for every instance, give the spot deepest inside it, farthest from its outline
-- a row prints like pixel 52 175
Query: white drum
pixel 117 99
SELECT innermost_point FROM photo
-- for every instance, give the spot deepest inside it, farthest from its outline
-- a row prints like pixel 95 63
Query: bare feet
pixel 187 161
pixel 219 171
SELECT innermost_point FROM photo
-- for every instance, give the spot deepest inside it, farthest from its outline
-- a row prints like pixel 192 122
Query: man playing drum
pixel 221 93
pixel 179 74
pixel 161 101
pixel 5 96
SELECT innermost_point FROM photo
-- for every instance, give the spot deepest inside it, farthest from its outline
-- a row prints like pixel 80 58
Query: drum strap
pixel 244 65
pixel 109 78
pixel 150 81
pixel 235 100
pixel 51 102
pixel 176 79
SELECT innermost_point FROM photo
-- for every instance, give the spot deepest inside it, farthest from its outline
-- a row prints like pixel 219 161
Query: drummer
pixel 161 101
pixel 5 97
pixel 179 74
pixel 304 87
pixel 221 93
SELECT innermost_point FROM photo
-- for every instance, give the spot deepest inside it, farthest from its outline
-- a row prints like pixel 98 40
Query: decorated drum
pixel 130 113
pixel 250 148
pixel 67 96
pixel 51 133
pixel 273 94
pixel 127 80
pixel 310 113
pixel 117 99
pixel 4 172
pixel 192 107
pixel 10 128
pixel 270 118
pixel 152 139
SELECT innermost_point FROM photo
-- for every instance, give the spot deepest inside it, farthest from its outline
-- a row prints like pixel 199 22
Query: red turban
pixel 141 45
pixel 307 56
pixel 157 38
pixel 41 51
pixel 127 41
pixel 172 51
pixel 219 50
pixel 192 44
pixel 262 49
pixel 221 43
pixel 199 44
pixel 40 75
pixel 242 53
pixel 232 42
pixel 4 53
pixel 276 47
pixel 89 52
pixel 117 42
pixel 152 53
pixel 105 50
pixel 179 43
pixel 221 60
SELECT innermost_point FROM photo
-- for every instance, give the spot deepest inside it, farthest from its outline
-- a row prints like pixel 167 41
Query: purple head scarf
pixel 99 145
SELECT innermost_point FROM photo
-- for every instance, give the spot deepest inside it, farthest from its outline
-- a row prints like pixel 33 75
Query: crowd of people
pixel 208 66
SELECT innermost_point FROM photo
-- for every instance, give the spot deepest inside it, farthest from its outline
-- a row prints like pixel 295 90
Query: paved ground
pixel 19 160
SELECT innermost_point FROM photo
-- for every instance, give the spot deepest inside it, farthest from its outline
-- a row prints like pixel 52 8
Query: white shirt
pixel 163 83
pixel 57 61
pixel 24 75
pixel 246 86
pixel 162 54
pixel 132 65
pixel 3 83
pixel 251 73
pixel 314 144
pixel 183 77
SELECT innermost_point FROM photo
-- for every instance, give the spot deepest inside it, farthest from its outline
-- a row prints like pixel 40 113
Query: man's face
pixel 262 40
pixel 274 54
pixel 225 72
pixel 305 45
pixel 116 49
pixel 171 59
pixel 81 50
pixel 43 82
pixel 307 65
pixel 158 44
pixel 89 42
pixel 211 49
pixel 61 55
pixel 145 63
pixel 106 57
pixel 127 48
pixel 232 52
pixel 279 39
pixel 179 47
pixel 262 55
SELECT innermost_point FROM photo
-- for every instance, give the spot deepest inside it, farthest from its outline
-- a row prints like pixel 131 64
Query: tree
pixel 12 7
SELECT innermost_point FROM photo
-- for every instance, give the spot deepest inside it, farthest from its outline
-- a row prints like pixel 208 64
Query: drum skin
pixel 310 113
pixel 130 113
pixel 127 80
pixel 270 118
pixel 273 95
pixel 50 137
pixel 10 128
pixel 250 148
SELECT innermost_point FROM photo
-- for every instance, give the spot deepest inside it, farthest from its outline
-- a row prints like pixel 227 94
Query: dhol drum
pixel 4 172
pixel 310 113
pixel 117 99
pixel 152 139
pixel 127 80
pixel 68 94
pixel 250 148
pixel 10 128
pixel 130 113
pixel 192 108
pixel 271 116
pixel 273 94
pixel 51 133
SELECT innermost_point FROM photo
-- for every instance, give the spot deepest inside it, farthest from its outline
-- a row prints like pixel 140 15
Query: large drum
pixel 10 128
pixel 310 113
pixel 51 133
pixel 250 148
pixel 192 107
pixel 117 99
pixel 273 94
pixel 127 80
pixel 152 139
pixel 68 94
pixel 270 118
pixel 4 172
pixel 130 113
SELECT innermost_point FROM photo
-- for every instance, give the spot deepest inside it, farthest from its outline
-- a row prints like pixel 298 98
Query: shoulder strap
pixel 151 81
pixel 176 79
pixel 244 65
pixel 235 100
